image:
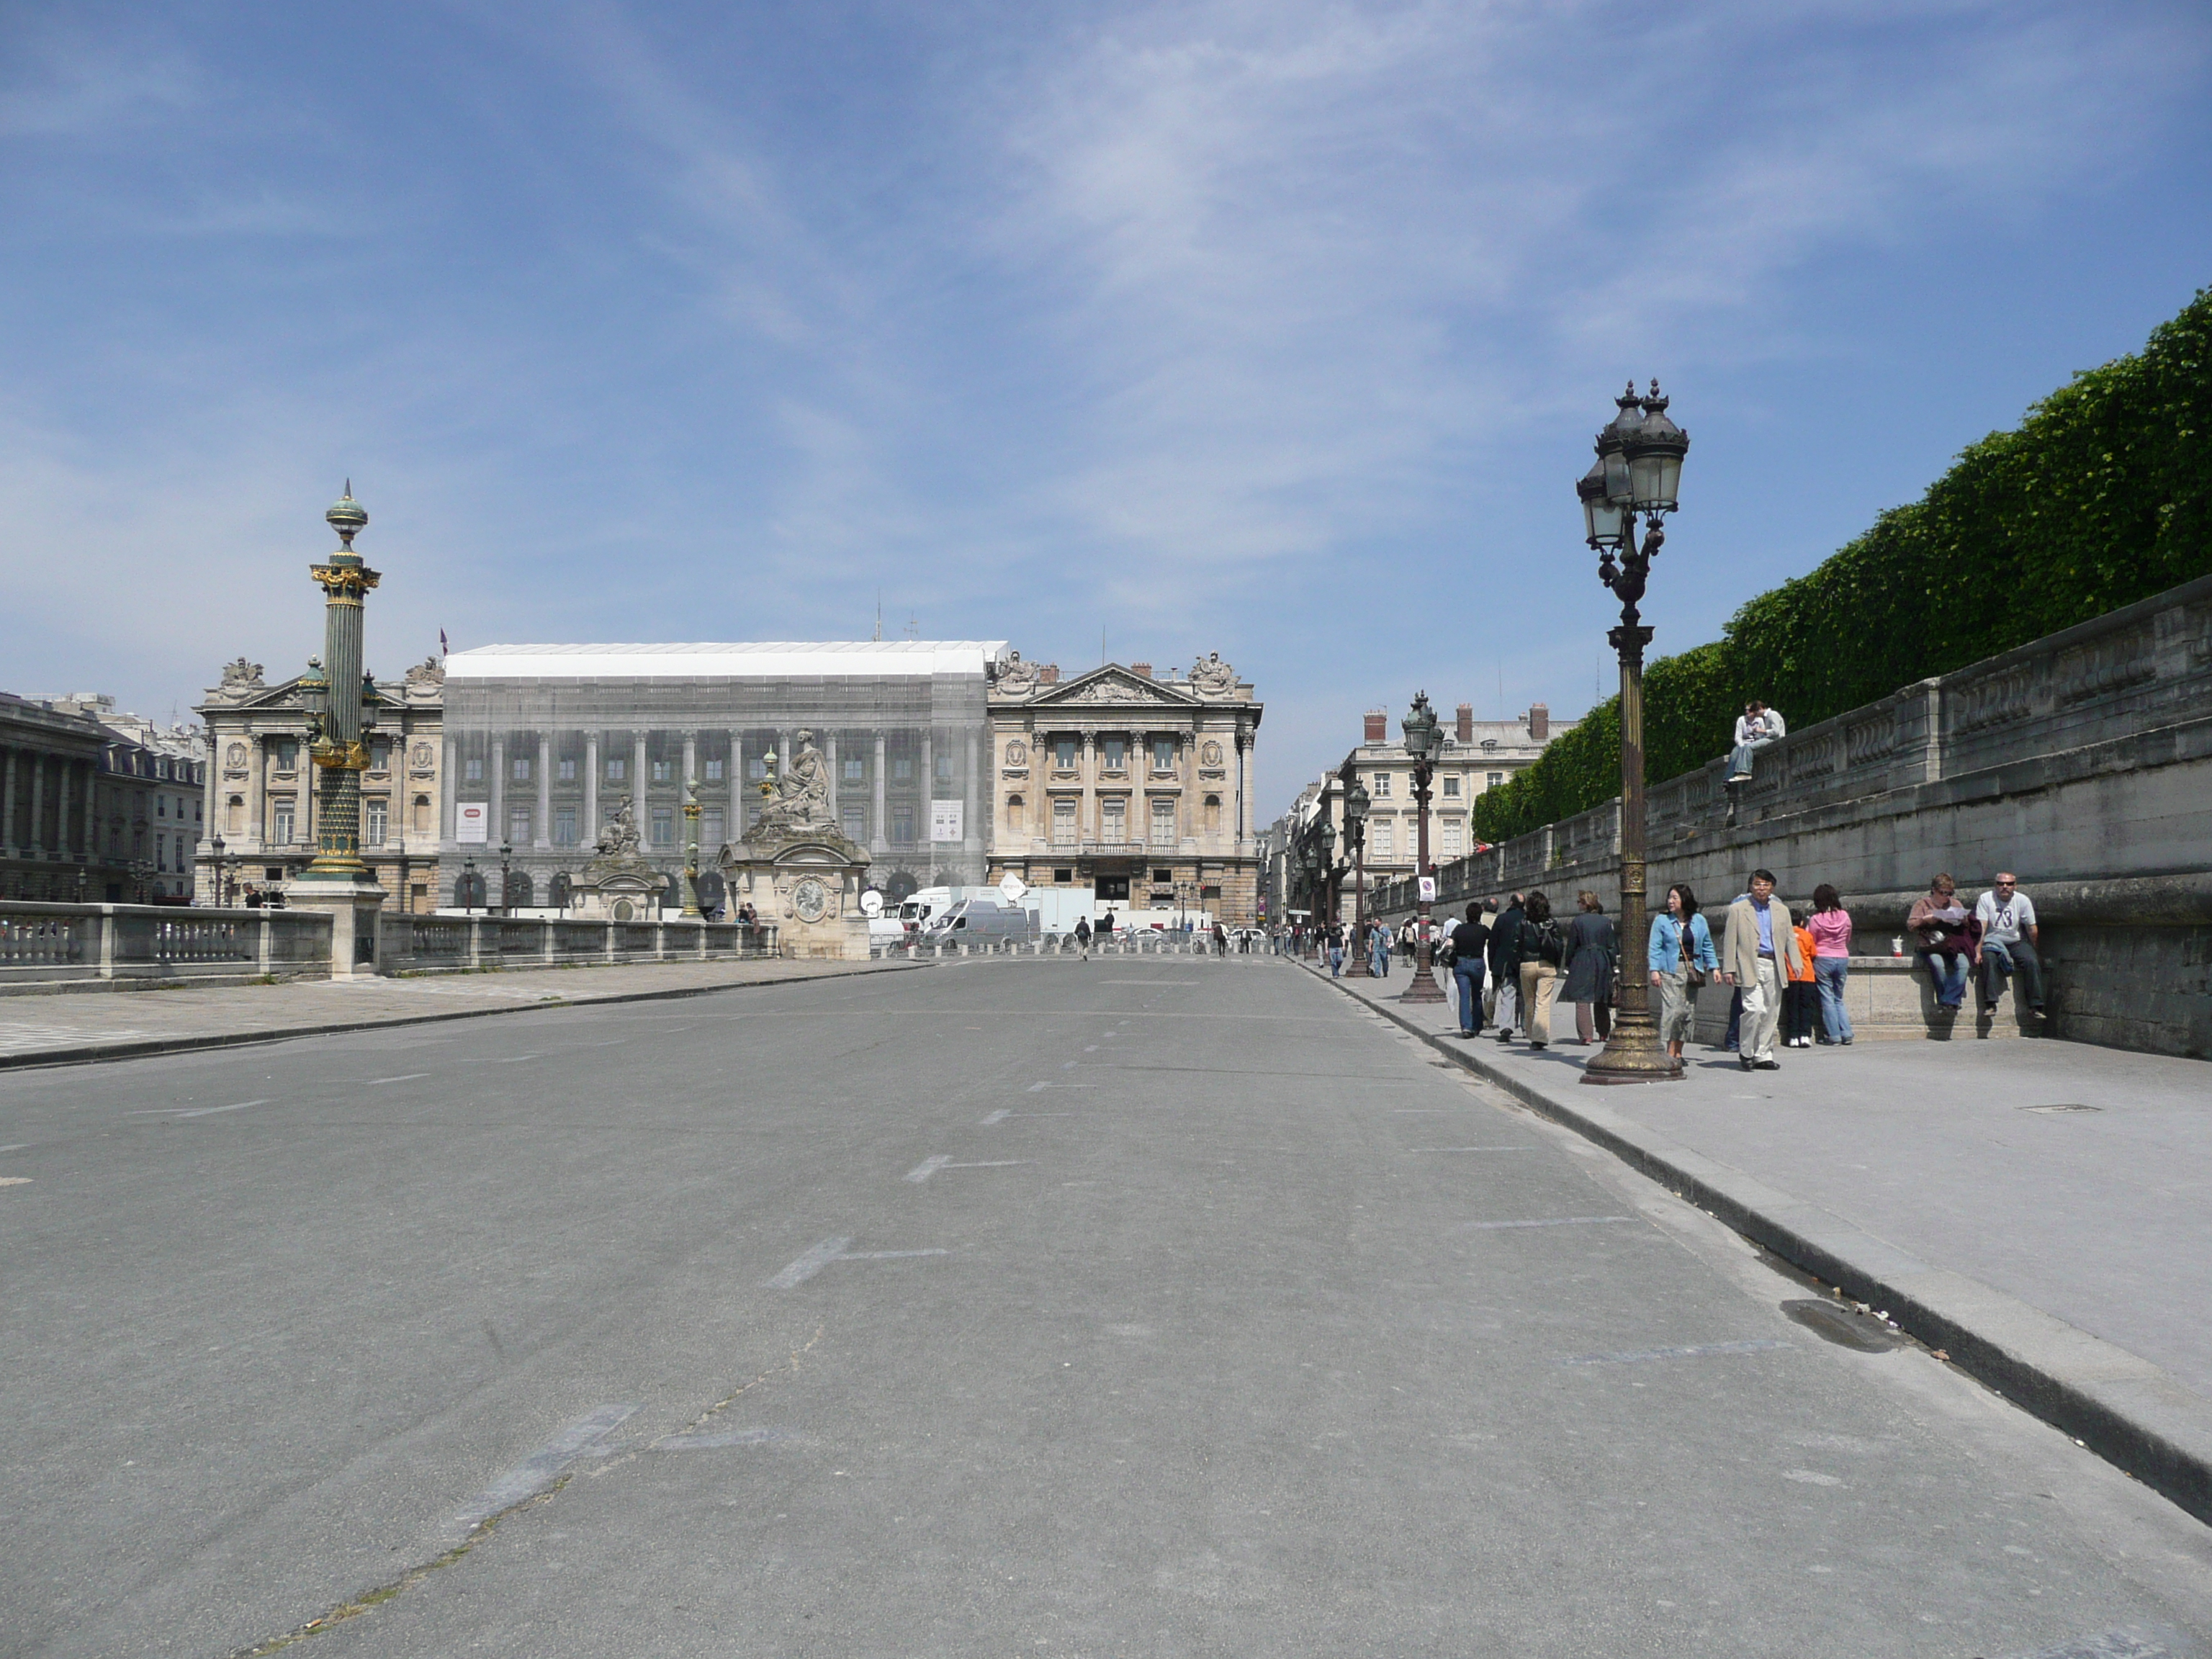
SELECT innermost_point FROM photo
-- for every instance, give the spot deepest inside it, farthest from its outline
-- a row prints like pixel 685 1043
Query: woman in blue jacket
pixel 1681 941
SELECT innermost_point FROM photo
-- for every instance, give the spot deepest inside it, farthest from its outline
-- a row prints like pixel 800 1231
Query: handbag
pixel 1692 976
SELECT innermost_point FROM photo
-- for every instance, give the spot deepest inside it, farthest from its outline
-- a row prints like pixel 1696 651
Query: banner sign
pixel 944 819
pixel 472 821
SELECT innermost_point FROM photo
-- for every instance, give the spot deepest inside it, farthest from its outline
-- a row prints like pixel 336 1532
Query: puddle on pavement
pixel 1861 1332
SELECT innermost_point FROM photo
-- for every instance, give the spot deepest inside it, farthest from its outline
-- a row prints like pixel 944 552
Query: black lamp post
pixel 1425 742
pixel 1639 470
pixel 1355 841
pixel 215 846
pixel 1331 872
pixel 468 890
pixel 506 857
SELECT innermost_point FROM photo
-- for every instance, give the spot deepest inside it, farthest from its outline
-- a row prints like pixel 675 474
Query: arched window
pixel 1014 817
pixel 237 820
pixel 1213 815
pixel 422 815
pixel 518 890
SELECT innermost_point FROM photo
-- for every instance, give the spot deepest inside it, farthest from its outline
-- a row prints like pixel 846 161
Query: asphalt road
pixel 1154 1308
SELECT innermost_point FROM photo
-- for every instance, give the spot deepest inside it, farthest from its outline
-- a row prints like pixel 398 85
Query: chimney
pixel 1143 671
pixel 1540 722
pixel 1049 674
pixel 1466 732
pixel 1378 726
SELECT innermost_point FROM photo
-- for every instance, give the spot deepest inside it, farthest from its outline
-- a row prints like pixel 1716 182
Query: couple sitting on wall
pixel 1999 935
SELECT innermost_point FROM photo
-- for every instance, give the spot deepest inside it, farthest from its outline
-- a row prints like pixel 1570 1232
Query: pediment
pixel 1115 687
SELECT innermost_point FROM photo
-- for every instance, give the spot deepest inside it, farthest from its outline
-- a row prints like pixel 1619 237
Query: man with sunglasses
pixel 2009 940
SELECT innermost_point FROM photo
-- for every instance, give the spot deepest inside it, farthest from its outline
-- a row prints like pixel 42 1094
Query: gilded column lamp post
pixel 691 849
pixel 1356 802
pixel 1639 470
pixel 1425 742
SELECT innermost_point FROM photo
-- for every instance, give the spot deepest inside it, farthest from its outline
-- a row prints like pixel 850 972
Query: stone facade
pixel 148 806
pixel 2083 762
pixel 50 767
pixel 1479 754
pixel 1138 788
pixel 544 743
pixel 260 785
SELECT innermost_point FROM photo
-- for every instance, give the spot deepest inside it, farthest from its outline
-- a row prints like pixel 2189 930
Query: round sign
pixel 1013 885
pixel 871 903
pixel 809 900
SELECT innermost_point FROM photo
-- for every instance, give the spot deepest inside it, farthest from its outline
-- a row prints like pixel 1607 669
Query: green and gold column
pixel 340 754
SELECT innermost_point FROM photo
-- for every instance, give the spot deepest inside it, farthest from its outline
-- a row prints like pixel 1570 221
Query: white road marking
pixel 998 1116
pixel 716 1439
pixel 539 1470
pixel 1146 981
pixel 1695 1352
pixel 928 1167
pixel 15 1181
pixel 833 1250
pixel 17 1146
pixel 1471 1149
pixel 1553 1221
pixel 992 1163
pixel 194 1111
pixel 404 1077
pixel 1039 1088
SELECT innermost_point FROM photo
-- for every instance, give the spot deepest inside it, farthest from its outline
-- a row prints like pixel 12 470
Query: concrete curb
pixel 2130 1412
pixel 92 1054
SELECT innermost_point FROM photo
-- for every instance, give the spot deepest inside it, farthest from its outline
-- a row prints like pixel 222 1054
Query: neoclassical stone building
pixel 261 785
pixel 1140 788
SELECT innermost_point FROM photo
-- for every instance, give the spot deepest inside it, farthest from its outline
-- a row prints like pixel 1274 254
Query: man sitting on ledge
pixel 2009 940
pixel 1755 728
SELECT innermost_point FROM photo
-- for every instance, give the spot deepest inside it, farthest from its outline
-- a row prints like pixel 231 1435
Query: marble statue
pixel 802 795
pixel 1213 677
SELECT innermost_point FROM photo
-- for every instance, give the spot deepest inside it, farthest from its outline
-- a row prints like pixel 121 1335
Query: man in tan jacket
pixel 1758 952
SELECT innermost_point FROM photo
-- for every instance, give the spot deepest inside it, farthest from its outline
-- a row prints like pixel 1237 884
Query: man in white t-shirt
pixel 1755 728
pixel 2009 937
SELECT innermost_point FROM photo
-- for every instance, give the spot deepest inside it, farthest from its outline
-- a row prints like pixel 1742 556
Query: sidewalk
pixel 2036 1209
pixel 63 1030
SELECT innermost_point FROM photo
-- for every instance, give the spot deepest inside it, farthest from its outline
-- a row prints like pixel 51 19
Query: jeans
pixel 1949 970
pixel 2001 958
pixel 1468 976
pixel 1829 973
pixel 1336 962
pixel 1378 962
pixel 1740 756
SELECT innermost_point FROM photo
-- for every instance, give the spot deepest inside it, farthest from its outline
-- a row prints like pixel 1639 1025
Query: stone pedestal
pixel 617 887
pixel 352 907
pixel 809 884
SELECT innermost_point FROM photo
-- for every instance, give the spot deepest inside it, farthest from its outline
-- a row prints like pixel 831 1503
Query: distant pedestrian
pixel 1378 955
pixel 1680 957
pixel 1466 946
pixel 1757 951
pixel 1830 924
pixel 1506 967
pixel 1083 938
pixel 1106 928
pixel 1335 951
pixel 1543 948
pixel 1755 728
pixel 1939 925
pixel 1593 950
pixel 1798 996
pixel 2009 945
pixel 1220 939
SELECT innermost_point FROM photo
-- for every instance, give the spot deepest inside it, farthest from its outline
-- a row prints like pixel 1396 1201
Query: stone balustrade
pixel 447 943
pixel 48 946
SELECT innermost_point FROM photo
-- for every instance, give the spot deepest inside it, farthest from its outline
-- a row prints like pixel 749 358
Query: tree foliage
pixel 2101 497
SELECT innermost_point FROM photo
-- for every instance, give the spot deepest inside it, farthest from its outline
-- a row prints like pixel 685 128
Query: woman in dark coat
pixel 1593 951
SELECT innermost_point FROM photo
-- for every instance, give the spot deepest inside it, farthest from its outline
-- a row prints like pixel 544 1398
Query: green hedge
pixel 2102 497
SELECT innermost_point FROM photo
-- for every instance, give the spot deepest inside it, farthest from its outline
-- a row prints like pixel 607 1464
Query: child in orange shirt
pixel 1799 997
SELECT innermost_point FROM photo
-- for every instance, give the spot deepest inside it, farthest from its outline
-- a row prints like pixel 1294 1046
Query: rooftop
pixel 752 659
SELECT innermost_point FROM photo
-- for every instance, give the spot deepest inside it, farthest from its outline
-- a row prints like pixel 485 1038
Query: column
pixel 590 829
pixel 879 827
pixel 37 839
pixel 970 822
pixel 690 757
pixel 8 802
pixel 1243 790
pixel 829 754
pixel 257 791
pixel 1089 825
pixel 498 825
pixel 637 779
pixel 735 777
pixel 449 790
pixel 63 767
pixel 928 794
pixel 542 834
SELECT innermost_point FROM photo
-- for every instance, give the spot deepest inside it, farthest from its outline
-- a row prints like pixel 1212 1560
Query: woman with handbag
pixel 1680 955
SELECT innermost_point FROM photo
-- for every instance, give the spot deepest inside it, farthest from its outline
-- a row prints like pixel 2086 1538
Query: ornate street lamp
pixel 506 859
pixel 1355 839
pixel 1638 471
pixel 469 887
pixel 691 849
pixel 1331 872
pixel 215 846
pixel 1425 742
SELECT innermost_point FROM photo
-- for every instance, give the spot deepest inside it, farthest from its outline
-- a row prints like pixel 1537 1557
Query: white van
pixel 978 921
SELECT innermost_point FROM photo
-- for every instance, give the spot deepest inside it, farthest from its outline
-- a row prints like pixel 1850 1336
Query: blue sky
pixel 1275 328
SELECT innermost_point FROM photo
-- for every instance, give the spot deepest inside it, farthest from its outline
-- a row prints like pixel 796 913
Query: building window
pixel 1065 877
pixel 281 820
pixel 564 826
pixel 379 814
pixel 160 806
pixel 565 770
pixel 1114 821
pixel 471 770
pixel 1063 754
pixel 856 824
pixel 903 825
pixel 1163 751
pixel 1164 822
pixel 1063 823
pixel 1382 786
pixel 287 756
pixel 663 771
pixel 856 770
pixel 903 769
pixel 1014 811
pixel 756 767
pixel 521 765
pixel 1116 752
pixel 715 771
pixel 1451 785
pixel 1384 835
pixel 1163 875
pixel 710 828
pixel 664 826
pixel 518 825
pixel 945 766
pixel 1210 891
pixel 617 768
pixel 1496 779
pixel 422 815
pixel 1453 834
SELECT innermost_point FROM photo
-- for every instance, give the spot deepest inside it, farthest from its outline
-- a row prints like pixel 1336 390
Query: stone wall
pixel 2083 761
